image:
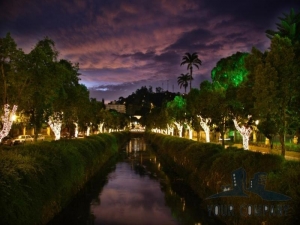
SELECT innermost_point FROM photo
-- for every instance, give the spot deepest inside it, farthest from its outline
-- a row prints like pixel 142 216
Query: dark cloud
pixel 188 41
pixel 122 45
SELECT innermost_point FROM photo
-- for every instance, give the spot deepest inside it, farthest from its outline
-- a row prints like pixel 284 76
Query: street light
pixel 255 131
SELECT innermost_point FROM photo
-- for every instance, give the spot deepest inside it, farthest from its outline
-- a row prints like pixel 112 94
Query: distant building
pixel 118 107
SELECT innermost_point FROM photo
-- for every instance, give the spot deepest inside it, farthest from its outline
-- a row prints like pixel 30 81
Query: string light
pixel 179 127
pixel 245 132
pixel 76 130
pixel 170 130
pixel 88 130
pixel 205 125
pixel 55 123
pixel 100 127
pixel 7 120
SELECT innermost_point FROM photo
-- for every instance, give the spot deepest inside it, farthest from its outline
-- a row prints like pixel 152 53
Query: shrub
pixel 38 180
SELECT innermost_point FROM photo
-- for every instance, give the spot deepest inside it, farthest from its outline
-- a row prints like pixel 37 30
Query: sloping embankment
pixel 38 180
pixel 208 168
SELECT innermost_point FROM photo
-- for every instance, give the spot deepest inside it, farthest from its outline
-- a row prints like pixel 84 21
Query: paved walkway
pixel 289 155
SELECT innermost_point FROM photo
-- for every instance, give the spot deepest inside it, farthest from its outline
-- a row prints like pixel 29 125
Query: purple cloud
pixel 122 45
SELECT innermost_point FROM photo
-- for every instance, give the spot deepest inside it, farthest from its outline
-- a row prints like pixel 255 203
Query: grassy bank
pixel 38 180
pixel 208 167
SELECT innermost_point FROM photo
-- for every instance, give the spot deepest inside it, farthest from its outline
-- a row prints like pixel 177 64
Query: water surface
pixel 134 190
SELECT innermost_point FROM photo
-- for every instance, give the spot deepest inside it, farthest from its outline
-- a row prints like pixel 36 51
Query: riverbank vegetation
pixel 207 168
pixel 38 180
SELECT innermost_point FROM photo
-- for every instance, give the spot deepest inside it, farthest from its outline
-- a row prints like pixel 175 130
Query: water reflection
pixel 136 144
pixel 129 198
pixel 137 191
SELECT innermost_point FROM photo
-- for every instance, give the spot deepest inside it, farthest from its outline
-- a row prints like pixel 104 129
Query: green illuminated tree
pixel 183 81
pixel 230 71
pixel 177 111
pixel 191 60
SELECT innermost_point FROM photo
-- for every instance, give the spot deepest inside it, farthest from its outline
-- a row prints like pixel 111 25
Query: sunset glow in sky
pixel 122 45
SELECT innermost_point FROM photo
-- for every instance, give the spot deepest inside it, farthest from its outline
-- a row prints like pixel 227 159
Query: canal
pixel 134 189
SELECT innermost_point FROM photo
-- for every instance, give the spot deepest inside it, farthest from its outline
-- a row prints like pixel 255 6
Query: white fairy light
pixel 76 129
pixel 245 132
pixel 179 127
pixel 55 122
pixel 100 127
pixel 7 120
pixel 205 125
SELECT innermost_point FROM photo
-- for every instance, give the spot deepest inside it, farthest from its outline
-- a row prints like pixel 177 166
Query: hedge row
pixel 207 167
pixel 38 180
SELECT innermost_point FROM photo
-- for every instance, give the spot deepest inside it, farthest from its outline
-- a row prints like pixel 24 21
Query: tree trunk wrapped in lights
pixel 88 130
pixel 245 131
pixel 7 120
pixel 76 130
pixel 100 127
pixel 170 129
pixel 55 122
pixel 179 127
pixel 190 131
pixel 205 125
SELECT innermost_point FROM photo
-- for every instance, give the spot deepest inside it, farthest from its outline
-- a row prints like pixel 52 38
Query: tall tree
pixel 10 67
pixel 191 60
pixel 276 76
pixel 214 107
pixel 67 98
pixel 230 71
pixel 44 80
pixel 183 81
pixel 195 100
pixel 289 27
pixel 176 110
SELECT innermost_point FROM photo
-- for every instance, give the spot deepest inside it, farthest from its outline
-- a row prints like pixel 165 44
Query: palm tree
pixel 289 26
pixel 183 81
pixel 191 60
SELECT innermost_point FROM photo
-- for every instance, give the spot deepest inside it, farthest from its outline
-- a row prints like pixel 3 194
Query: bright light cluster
pixel 55 122
pixel 245 132
pixel 76 129
pixel 205 125
pixel 179 128
pixel 7 120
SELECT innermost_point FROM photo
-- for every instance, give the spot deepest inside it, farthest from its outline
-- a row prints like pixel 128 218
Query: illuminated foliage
pixel 230 71
pixel 177 111
pixel 55 122
pixel 245 131
pixel 7 120
pixel 177 104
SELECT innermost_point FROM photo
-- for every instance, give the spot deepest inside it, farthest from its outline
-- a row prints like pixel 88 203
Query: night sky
pixel 122 45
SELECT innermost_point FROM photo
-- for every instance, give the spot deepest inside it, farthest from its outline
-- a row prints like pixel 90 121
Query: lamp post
pixel 255 131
